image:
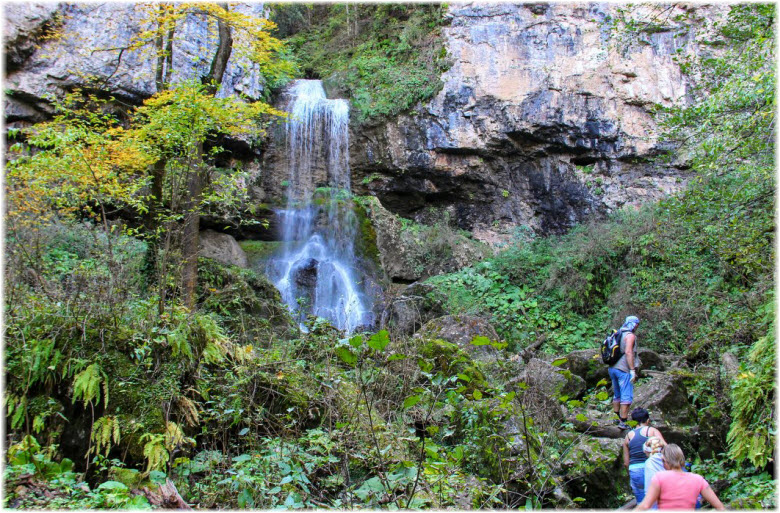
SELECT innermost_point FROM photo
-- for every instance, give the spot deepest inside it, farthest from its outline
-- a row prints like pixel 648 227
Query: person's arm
pixel 630 338
pixel 709 494
pixel 651 496
pixel 655 432
pixel 625 452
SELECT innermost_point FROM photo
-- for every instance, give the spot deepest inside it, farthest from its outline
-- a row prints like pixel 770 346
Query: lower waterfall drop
pixel 316 270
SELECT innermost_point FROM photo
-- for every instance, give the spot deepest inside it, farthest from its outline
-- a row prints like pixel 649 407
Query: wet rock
pixel 665 397
pixel 305 275
pixel 222 248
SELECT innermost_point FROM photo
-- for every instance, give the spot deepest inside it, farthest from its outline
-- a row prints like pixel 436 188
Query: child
pixel 652 448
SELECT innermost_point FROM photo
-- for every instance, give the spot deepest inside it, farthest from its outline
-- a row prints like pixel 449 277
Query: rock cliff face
pixel 541 122
pixel 81 46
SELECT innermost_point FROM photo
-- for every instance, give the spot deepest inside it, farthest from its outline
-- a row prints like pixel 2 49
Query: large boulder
pixel 552 380
pixel 666 398
pixel 593 468
pixel 411 308
pixel 462 330
pixel 650 360
pixel 540 385
pixel 595 423
pixel 222 248
pixel 587 364
pixel 410 251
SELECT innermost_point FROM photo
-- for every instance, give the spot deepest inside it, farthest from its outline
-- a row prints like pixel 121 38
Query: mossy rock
pixel 450 359
pixel 129 477
pixel 259 251
pixel 592 468
pixel 248 304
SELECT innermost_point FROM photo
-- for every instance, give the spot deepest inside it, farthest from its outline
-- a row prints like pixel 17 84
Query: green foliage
pixel 386 58
pixel 86 385
pixel 753 429
pixel 744 487
pixel 55 485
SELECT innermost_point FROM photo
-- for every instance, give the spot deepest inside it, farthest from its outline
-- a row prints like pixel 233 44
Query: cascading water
pixel 316 269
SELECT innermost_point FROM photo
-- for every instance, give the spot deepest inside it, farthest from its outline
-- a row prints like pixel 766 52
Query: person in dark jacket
pixel 634 457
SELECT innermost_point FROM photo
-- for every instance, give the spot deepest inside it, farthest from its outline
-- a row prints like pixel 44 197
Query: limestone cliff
pixel 542 121
pixel 52 48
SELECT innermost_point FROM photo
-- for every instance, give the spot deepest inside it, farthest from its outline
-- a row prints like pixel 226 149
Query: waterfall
pixel 316 270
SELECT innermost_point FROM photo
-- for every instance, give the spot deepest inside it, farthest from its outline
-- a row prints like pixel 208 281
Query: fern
pixel 178 341
pixel 154 451
pixel 87 384
pixel 189 410
pixel 159 446
pixel 105 435
pixel 751 435
pixel 17 409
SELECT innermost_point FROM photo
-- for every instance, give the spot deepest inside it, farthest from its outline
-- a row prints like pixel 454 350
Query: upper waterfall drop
pixel 316 270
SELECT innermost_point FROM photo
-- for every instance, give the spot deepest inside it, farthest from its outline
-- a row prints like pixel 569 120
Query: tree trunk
pixel 151 219
pixel 191 231
pixel 213 80
pixel 164 47
pixel 191 235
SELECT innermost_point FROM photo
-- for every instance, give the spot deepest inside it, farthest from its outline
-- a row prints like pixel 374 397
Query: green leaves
pixel 379 341
pixel 411 401
pixel 86 385
pixel 346 355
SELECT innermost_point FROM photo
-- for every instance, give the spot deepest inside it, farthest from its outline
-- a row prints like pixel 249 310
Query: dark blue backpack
pixel 610 348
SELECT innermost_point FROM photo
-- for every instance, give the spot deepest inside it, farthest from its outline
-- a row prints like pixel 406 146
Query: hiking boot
pixel 623 425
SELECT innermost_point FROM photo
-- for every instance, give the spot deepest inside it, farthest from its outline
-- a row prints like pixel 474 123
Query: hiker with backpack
pixel 634 456
pixel 619 351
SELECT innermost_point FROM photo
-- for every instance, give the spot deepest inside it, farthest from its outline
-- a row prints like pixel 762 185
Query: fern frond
pixel 189 410
pixel 86 384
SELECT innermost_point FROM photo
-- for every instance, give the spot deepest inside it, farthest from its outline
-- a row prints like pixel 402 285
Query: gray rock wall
pixel 86 51
pixel 542 121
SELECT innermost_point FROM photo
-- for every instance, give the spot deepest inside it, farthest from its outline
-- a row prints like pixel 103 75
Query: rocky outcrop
pixel 594 466
pixel 410 253
pixel 408 310
pixel 542 121
pixel 222 248
pixel 587 364
pixel 552 381
pixel 666 397
pixel 87 51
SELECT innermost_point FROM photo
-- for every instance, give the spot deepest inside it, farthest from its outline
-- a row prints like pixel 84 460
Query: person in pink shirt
pixel 675 489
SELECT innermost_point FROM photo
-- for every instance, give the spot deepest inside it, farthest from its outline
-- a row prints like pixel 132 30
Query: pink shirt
pixel 679 490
